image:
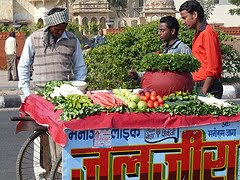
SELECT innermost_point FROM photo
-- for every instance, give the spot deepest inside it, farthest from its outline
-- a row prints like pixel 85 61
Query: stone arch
pixel 122 23
pixel 154 18
pixel 84 27
pixel 85 21
pixel 76 21
pixel 94 19
pixel 102 23
pixel 40 21
pixel 134 23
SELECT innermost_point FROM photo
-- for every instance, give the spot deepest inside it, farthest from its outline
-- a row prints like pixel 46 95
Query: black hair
pixel 191 6
pixel 172 23
pixel 12 34
pixel 54 10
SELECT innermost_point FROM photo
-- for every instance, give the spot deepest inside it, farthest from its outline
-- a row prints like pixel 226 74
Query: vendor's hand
pixel 133 74
pixel 207 84
pixel 204 90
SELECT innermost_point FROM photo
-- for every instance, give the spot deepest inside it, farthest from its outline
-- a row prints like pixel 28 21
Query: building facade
pixel 25 12
pixel 28 12
pixel 136 12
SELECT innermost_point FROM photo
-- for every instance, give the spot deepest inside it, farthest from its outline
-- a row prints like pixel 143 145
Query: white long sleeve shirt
pixel 10 46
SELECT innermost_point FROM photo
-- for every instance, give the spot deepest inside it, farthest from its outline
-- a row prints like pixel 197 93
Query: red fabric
pixel 42 111
pixel 206 48
pixel 167 82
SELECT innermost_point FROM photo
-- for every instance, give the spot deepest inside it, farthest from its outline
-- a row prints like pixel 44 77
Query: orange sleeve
pixel 213 53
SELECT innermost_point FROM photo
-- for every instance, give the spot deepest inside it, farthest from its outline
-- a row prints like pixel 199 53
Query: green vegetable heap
pixel 76 106
pixel 197 108
pixel 49 88
pixel 169 62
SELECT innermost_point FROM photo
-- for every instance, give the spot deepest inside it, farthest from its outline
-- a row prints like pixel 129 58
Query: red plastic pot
pixel 167 82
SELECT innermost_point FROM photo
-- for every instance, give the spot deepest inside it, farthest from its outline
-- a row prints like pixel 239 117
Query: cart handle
pixel 27 118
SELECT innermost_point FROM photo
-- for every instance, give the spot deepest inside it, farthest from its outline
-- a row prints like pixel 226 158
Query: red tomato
pixel 160 100
pixel 161 104
pixel 155 104
pixel 158 96
pixel 144 98
pixel 153 93
pixel 147 94
pixel 150 104
pixel 153 98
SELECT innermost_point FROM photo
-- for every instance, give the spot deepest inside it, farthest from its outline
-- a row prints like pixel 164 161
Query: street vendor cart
pixel 141 145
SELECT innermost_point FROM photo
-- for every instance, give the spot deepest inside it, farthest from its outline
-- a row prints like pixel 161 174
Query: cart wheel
pixel 31 164
pixel 56 171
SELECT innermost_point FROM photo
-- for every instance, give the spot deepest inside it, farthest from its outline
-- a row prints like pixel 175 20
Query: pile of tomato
pixel 152 99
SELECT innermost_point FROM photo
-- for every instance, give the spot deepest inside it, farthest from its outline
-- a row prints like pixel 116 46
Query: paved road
pixel 10 144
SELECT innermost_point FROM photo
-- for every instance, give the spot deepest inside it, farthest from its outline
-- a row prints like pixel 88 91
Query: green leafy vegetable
pixel 169 62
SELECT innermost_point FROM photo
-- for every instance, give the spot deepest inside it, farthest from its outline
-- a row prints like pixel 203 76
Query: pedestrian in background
pixel 205 47
pixel 100 38
pixel 10 50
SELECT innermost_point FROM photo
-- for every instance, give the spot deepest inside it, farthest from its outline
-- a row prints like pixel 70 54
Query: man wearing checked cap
pixel 54 53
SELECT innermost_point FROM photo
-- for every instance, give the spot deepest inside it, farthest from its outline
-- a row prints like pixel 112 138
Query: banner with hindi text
pixel 203 152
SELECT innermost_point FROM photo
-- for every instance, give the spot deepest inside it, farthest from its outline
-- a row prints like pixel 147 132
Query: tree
pixel 235 10
pixel 208 6
pixel 119 3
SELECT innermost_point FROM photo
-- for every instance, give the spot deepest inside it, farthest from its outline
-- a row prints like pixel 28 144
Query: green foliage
pixel 91 29
pixel 4 28
pixel 208 6
pixel 186 35
pixel 38 25
pixel 231 57
pixel 235 11
pixel 169 62
pixel 108 65
pixel 231 61
pixel 74 28
pixel 26 30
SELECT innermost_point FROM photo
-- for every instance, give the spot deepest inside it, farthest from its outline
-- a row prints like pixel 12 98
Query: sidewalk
pixel 10 95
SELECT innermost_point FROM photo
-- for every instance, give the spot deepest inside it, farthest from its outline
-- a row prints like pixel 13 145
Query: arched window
pixel 76 21
pixel 122 23
pixel 154 18
pixel 94 19
pixel 40 21
pixel 102 23
pixel 84 27
pixel 39 24
pixel 134 23
pixel 85 21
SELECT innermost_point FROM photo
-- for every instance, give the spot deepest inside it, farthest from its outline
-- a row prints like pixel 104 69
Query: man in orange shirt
pixel 205 47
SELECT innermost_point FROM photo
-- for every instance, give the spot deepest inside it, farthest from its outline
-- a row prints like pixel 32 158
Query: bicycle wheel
pixel 56 171
pixel 31 164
